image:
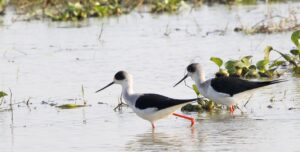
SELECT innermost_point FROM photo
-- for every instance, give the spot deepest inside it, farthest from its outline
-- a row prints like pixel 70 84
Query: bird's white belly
pixel 151 114
pixel 220 98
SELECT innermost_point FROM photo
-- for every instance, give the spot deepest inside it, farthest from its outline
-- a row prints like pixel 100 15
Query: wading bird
pixel 222 90
pixel 151 107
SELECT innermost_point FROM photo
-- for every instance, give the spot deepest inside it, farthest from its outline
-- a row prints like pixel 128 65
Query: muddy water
pixel 47 61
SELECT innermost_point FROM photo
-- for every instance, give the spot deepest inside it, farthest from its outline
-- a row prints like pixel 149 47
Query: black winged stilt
pixel 222 90
pixel 151 107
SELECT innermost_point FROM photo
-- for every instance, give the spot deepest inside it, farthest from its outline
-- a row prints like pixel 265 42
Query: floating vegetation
pixel 170 6
pixel 2 94
pixel 203 104
pixel 264 68
pixel 70 106
pixel 244 68
pixel 272 24
pixel 74 105
pixel 2 6
pixel 74 10
pixel 78 11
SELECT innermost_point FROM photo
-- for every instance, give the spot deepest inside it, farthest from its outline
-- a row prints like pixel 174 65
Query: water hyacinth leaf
pixel 295 52
pixel 295 38
pixel 288 58
pixel 246 60
pixel 217 61
pixel 2 94
pixel 252 73
pixel 222 73
pixel 252 67
pixel 277 64
pixel 196 89
pixel 230 66
pixel 267 51
pixel 271 71
pixel 261 65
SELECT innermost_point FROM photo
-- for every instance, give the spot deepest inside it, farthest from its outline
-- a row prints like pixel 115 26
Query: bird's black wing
pixel 232 86
pixel 158 101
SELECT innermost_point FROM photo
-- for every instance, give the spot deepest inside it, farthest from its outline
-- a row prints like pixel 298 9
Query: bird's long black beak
pixel 105 87
pixel 181 80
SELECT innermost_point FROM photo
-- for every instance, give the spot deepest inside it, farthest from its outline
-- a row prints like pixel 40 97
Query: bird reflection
pixel 175 139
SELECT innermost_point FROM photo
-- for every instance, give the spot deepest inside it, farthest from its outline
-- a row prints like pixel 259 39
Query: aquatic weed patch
pixel 272 24
pixel 2 6
pixel 74 10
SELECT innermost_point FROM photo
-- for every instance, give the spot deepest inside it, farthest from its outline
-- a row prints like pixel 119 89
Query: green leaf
pixel 217 61
pixel 246 60
pixel 288 58
pixel 252 73
pixel 70 106
pixel 267 51
pixel 297 70
pixel 230 66
pixel 261 65
pixel 252 67
pixel 276 64
pixel 295 52
pixel 196 90
pixel 222 72
pixel 295 38
pixel 2 94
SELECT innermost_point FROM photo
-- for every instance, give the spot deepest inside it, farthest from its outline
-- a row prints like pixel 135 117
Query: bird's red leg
pixel 185 117
pixel 231 109
pixel 153 126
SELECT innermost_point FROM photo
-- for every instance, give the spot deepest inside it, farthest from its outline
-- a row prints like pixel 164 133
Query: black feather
pixel 232 86
pixel 158 101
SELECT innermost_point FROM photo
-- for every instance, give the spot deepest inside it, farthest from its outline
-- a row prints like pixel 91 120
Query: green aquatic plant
pixel 244 68
pixel 203 104
pixel 2 94
pixel 70 106
pixel 264 68
pixel 73 11
pixel 219 63
pixel 272 24
pixel 2 6
pixel 74 105
pixel 159 6
pixel 79 11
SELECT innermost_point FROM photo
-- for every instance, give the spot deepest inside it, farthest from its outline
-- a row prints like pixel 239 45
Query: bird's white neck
pixel 199 77
pixel 127 88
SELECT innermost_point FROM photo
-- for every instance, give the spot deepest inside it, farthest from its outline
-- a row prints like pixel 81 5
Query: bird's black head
pixel 121 78
pixel 121 75
pixel 192 67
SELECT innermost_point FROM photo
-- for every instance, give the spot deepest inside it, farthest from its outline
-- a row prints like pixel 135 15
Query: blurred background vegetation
pixel 65 10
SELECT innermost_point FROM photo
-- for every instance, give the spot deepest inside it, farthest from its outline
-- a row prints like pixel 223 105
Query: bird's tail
pixel 266 83
pixel 182 101
pixel 275 81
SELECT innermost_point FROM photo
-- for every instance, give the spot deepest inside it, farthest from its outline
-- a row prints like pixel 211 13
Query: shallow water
pixel 51 61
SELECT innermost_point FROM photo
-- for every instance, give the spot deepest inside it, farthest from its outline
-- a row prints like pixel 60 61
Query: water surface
pixel 47 61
